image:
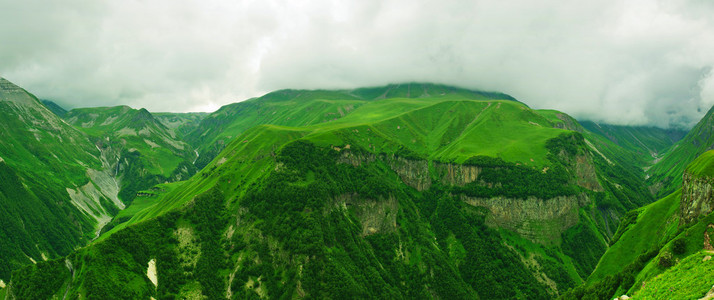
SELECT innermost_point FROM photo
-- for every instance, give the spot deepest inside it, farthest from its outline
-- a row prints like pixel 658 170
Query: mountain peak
pixel 13 93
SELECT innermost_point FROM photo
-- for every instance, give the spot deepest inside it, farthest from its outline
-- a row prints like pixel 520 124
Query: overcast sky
pixel 623 62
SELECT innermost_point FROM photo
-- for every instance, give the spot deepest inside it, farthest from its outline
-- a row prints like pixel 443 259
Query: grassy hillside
pixel 52 191
pixel 144 151
pixel 396 192
pixel 298 108
pixel 657 221
pixel 180 124
pixel 655 255
pixel 666 174
pixel 702 166
pixel 689 279
pixel 55 108
pixel 649 142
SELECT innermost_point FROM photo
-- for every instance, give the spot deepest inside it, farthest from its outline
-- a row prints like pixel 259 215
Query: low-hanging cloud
pixel 622 62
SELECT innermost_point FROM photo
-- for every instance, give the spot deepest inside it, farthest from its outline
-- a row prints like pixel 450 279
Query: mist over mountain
pixel 356 149
pixel 635 63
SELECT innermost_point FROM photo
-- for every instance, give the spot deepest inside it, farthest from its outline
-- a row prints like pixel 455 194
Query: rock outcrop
pixel 374 215
pixel 697 197
pixel 539 220
pixel 455 174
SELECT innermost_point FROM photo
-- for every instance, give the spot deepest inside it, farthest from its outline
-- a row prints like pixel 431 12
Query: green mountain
pixel 648 142
pixel 666 174
pixel 143 150
pixel 663 250
pixel 405 191
pixel 55 108
pixel 299 108
pixel 181 124
pixel 55 187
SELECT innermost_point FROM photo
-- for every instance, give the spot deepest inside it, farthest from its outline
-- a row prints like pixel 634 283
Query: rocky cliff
pixel 697 197
pixel 538 220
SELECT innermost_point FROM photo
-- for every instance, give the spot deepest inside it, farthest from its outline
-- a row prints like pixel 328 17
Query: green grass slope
pixel 395 198
pixel 180 124
pixel 691 278
pixel 643 230
pixel 144 150
pixel 654 254
pixel 299 108
pixel 649 142
pixel 42 159
pixel 55 108
pixel 666 174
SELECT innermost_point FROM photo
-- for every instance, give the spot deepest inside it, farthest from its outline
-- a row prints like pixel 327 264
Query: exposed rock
pixel 709 295
pixel 585 173
pixel 697 197
pixel 455 174
pixel 538 220
pixel 568 123
pixel 356 159
pixel 374 215
pixel 151 272
pixel 414 173
pixel 707 239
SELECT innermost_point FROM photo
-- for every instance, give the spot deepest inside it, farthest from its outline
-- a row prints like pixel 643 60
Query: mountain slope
pixel 648 142
pixel 55 108
pixel 666 174
pixel 55 188
pixel 662 248
pixel 431 197
pixel 145 151
pixel 307 107
pixel 180 124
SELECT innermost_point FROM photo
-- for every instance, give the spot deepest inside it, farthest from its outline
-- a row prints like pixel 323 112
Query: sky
pixel 638 62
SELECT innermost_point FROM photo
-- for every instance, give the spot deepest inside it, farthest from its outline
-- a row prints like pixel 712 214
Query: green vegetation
pixel 54 108
pixel 667 173
pixel 144 150
pixel 646 141
pixel 387 192
pixel 180 124
pixel 702 165
pixel 40 158
pixel 654 224
pixel 691 278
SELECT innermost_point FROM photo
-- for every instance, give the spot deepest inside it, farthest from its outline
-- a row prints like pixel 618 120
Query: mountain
pixel 55 108
pixel 56 189
pixel 649 142
pixel 666 174
pixel 663 250
pixel 306 107
pixel 145 151
pixel 405 191
pixel 180 123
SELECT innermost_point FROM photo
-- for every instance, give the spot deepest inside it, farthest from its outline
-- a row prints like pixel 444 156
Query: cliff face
pixel 539 220
pixel 454 174
pixel 697 197
pixel 374 215
pixel 585 173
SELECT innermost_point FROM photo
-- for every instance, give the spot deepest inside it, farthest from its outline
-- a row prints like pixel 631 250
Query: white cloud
pixel 632 62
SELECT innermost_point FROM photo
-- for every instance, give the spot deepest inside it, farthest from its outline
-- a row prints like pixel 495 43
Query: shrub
pixel 679 246
pixel 665 260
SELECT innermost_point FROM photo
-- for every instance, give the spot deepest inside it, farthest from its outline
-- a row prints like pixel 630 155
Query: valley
pixel 404 191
